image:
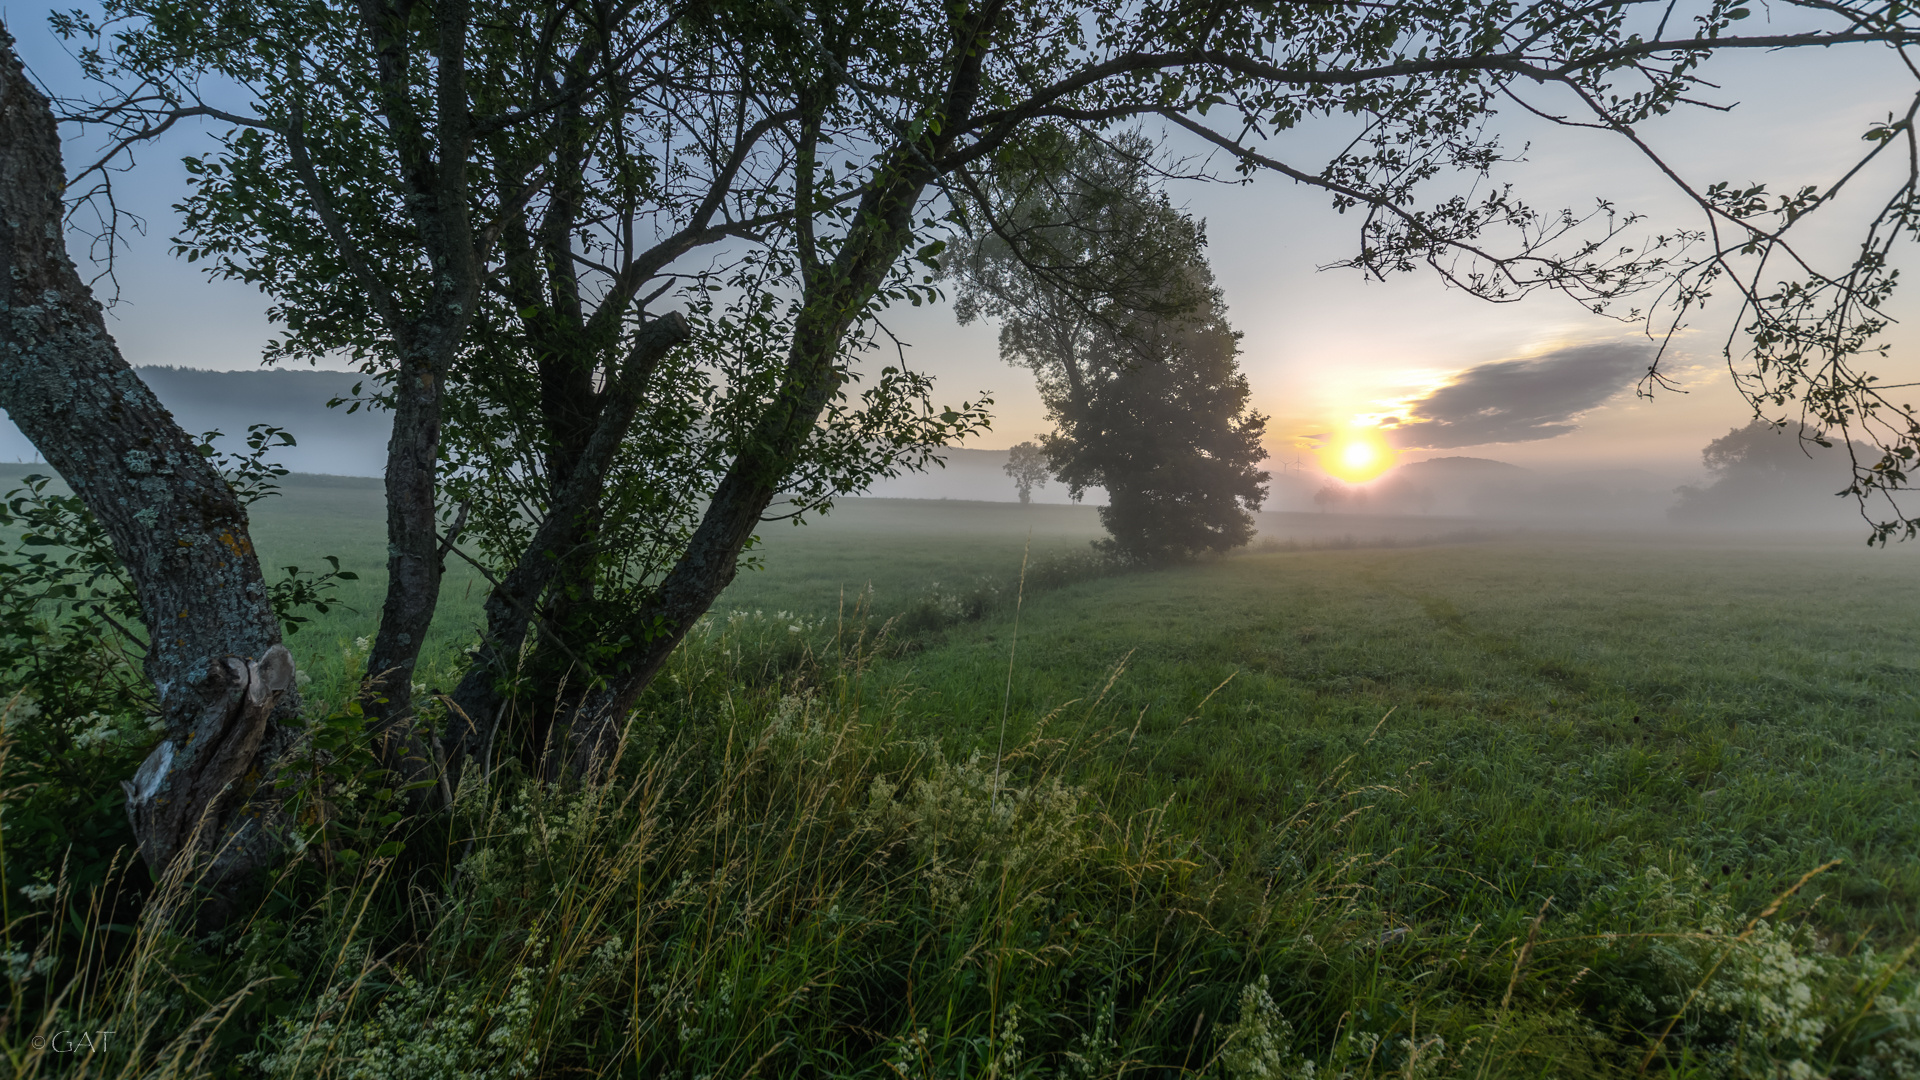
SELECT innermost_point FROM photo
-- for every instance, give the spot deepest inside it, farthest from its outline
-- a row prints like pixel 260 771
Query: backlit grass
pixel 1558 713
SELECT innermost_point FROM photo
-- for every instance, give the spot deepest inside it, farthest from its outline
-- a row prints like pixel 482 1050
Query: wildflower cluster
pixel 417 1031
pixel 972 829
pixel 742 622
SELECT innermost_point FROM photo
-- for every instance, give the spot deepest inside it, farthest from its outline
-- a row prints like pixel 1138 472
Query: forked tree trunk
pixel 834 296
pixel 223 678
pixel 510 607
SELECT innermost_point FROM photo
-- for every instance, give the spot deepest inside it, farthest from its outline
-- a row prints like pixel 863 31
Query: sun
pixel 1357 455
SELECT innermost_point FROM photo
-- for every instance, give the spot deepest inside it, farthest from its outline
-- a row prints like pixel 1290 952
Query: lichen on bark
pixel 214 656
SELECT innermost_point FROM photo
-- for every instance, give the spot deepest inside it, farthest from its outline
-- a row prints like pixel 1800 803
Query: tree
pixel 1767 473
pixel 1102 290
pixel 225 683
pixel 1769 450
pixel 1165 428
pixel 818 153
pixel 1027 465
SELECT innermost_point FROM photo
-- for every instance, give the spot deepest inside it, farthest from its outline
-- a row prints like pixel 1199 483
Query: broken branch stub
pixel 181 790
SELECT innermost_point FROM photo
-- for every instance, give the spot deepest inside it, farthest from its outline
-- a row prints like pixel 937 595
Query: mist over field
pixel 330 441
pixel 1443 485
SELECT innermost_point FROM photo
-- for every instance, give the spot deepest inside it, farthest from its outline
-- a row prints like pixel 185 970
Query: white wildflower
pixel 1259 1045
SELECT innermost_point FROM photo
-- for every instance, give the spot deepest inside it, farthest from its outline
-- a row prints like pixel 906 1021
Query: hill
pixel 331 441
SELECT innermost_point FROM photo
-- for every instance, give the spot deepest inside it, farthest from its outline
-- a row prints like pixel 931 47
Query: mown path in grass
pixel 1562 712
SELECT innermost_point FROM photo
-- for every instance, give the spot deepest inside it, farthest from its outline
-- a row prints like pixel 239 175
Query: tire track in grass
pixel 1507 649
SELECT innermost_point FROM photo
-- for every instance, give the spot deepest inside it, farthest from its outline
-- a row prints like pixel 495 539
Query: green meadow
pixel 1378 796
pixel 1554 712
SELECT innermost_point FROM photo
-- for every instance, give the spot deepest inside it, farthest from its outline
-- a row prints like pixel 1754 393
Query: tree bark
pixel 225 682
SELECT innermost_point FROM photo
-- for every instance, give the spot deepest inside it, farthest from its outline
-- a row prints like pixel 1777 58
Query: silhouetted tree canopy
pixel 1102 289
pixel 1027 464
pixel 1784 475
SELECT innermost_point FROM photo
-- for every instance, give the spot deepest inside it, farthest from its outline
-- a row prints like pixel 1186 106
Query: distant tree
pixel 1766 469
pixel 1027 464
pixel 1338 496
pixel 1102 289
pixel 1768 449
pixel 1168 433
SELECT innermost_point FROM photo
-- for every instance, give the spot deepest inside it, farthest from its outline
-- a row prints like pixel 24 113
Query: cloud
pixel 1521 400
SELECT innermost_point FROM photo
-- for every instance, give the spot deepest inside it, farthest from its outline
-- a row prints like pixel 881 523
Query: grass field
pixel 1559 712
pixel 1530 749
pixel 1749 702
pixel 1389 766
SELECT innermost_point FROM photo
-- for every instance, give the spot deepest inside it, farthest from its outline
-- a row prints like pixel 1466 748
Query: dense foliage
pixel 1102 289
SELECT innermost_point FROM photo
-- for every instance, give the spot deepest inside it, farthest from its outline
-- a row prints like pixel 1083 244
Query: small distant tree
pixel 1102 289
pixel 1338 496
pixel 1027 464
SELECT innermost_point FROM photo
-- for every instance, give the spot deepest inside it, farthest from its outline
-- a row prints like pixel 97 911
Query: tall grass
pixel 779 879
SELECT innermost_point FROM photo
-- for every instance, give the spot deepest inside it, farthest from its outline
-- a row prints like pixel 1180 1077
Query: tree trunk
pixel 510 607
pixel 225 682
pixel 434 158
pixel 834 298
pixel 414 570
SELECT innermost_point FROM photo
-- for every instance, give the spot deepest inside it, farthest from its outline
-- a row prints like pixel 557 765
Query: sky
pixel 1541 383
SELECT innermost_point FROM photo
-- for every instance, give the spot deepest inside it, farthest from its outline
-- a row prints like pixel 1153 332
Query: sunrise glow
pixel 1357 455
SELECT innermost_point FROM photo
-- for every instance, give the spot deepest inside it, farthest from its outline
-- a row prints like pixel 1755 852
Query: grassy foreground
pixel 1523 807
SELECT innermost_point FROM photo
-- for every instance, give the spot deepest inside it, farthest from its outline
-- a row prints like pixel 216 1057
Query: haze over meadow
pixel 1546 397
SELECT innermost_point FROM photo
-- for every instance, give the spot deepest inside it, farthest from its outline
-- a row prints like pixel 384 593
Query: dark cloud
pixel 1522 400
